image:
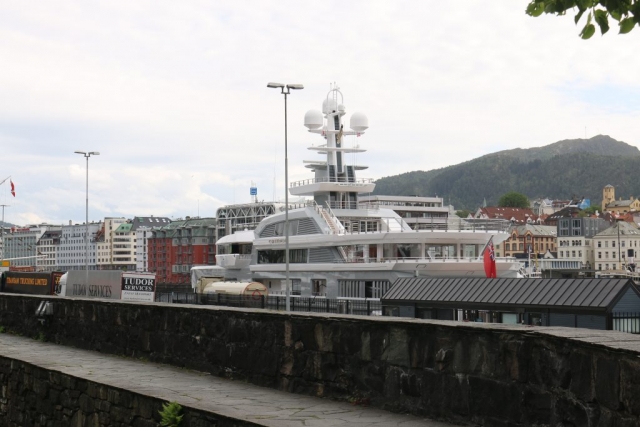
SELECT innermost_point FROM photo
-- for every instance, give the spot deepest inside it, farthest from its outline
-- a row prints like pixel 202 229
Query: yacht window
pixel 296 256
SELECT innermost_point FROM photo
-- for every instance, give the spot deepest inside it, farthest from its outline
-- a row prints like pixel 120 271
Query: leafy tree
pixel 514 200
pixel 591 210
pixel 463 213
pixel 625 12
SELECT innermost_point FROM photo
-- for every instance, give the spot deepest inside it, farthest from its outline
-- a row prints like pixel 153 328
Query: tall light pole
pixel 86 235
pixel 286 92
pixel 619 258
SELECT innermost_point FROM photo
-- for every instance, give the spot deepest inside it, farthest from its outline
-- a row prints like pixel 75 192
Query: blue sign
pixel 253 191
pixel 585 204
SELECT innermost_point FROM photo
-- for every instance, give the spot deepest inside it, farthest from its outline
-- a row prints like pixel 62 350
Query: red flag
pixel 13 189
pixel 490 259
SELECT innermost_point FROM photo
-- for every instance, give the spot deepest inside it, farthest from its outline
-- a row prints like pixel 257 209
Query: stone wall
pixel 494 375
pixel 32 396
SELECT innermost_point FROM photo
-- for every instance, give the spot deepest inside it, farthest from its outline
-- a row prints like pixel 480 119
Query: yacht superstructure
pixel 339 247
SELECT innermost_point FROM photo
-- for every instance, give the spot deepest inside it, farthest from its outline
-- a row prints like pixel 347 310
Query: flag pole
pixel 485 247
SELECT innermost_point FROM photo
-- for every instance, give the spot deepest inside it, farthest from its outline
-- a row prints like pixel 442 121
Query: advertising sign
pixel 101 284
pixel 138 287
pixel 27 283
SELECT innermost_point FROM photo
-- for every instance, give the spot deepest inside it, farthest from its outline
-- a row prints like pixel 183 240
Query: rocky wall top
pixel 488 374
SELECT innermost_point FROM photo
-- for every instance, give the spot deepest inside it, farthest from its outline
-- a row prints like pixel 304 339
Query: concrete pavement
pixel 201 391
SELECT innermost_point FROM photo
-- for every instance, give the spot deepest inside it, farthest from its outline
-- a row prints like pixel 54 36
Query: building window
pixel 599 244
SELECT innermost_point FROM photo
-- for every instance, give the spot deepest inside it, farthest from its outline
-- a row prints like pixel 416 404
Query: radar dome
pixel 329 106
pixel 359 122
pixel 313 119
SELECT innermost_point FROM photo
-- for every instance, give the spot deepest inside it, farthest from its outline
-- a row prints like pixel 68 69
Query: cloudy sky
pixel 173 95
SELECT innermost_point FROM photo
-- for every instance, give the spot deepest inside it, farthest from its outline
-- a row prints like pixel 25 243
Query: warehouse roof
pixel 526 293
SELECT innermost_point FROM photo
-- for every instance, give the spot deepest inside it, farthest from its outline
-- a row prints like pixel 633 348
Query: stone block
pixel 607 382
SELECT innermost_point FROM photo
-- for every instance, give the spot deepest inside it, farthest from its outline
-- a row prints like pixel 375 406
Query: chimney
pixel 631 198
pixel 70 223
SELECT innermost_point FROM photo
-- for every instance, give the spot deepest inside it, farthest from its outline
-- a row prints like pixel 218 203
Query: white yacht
pixel 339 247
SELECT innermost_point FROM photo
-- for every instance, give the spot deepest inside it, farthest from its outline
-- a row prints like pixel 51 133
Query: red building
pixel 176 247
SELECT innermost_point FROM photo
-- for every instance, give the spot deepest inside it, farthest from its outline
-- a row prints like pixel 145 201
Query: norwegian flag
pixel 490 260
pixel 13 188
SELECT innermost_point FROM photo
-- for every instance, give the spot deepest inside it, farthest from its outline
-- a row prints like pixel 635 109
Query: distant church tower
pixel 608 196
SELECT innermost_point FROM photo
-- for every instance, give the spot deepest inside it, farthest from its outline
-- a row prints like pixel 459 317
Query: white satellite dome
pixel 329 106
pixel 359 122
pixel 313 119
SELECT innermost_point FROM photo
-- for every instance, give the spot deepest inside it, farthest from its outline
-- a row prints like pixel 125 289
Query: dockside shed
pixel 582 303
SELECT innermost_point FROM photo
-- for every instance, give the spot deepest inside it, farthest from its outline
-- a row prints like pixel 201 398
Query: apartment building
pixel 71 253
pixel 176 247
pixel 143 227
pixel 21 245
pixel 616 248
pixel 47 251
pixel 528 239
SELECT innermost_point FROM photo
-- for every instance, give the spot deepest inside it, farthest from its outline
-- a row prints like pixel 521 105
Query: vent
pixel 307 226
pixel 323 256
pixel 268 231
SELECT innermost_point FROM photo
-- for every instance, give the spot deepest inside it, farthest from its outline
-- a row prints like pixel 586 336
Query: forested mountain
pixel 578 167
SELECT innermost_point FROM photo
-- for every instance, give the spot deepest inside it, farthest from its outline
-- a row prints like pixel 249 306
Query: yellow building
pixel 610 204
pixel 526 238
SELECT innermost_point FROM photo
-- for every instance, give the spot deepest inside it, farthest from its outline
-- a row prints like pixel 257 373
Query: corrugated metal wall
pixel 592 322
pixel 562 319
pixel 629 303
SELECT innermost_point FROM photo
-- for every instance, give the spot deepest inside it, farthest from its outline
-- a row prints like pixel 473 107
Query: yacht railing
pixel 339 228
pixel 338 180
pixel 426 259
pixel 462 224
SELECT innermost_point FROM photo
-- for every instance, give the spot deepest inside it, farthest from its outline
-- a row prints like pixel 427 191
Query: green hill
pixel 560 170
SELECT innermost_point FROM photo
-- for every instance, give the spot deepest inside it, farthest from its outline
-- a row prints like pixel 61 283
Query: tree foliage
pixel 625 12
pixel 514 199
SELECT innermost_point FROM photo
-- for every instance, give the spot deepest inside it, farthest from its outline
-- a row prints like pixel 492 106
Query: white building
pixel 617 247
pixel 47 251
pixel 107 253
pixel 21 245
pixel 73 252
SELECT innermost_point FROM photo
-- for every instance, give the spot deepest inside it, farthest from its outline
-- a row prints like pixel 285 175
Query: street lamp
pixel 86 236
pixel 618 227
pixel 286 92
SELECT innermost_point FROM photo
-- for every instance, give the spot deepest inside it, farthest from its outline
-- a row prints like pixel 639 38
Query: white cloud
pixel 174 95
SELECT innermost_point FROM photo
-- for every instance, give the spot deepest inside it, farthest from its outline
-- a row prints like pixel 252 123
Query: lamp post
pixel 618 227
pixel 86 236
pixel 286 92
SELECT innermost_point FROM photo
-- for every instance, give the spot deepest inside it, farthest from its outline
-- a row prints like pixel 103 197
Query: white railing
pixel 427 259
pixel 334 218
pixel 339 180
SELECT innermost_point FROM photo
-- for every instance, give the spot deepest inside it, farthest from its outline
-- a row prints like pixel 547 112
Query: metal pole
pixel 286 208
pixel 619 258
pixel 285 90
pixel 86 236
pixel 3 206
